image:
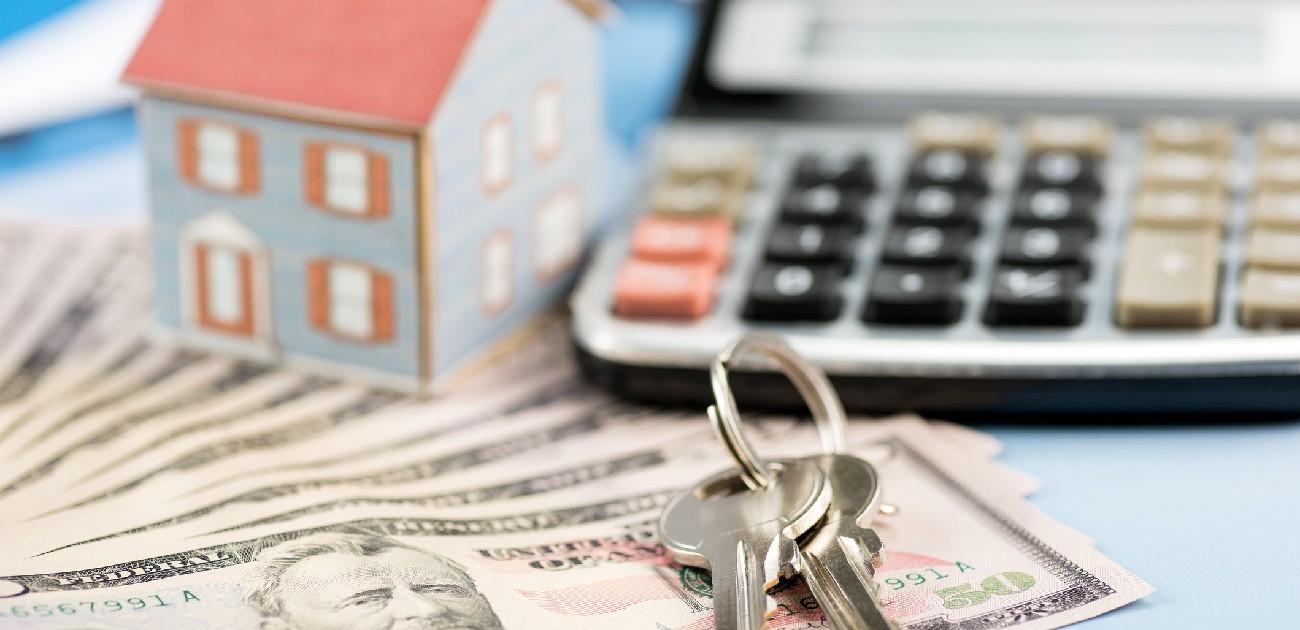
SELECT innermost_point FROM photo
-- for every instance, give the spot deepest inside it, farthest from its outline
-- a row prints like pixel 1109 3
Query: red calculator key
pixel 667 239
pixel 669 290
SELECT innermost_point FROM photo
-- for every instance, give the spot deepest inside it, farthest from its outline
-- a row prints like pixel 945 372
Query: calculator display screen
pixel 1144 49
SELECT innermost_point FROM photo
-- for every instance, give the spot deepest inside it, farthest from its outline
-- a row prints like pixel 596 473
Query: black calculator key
pixel 811 243
pixel 914 295
pixel 949 167
pixel 1040 246
pixel 1054 207
pixel 1023 296
pixel 825 204
pixel 927 245
pixel 936 205
pixel 1061 169
pixel 849 171
pixel 794 292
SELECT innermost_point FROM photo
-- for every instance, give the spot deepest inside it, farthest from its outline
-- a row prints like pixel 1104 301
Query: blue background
pixel 1208 513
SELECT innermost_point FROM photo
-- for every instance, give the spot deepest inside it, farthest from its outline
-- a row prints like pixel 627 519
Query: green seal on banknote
pixel 696 581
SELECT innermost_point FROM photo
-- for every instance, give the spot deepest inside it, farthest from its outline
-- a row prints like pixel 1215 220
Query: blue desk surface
pixel 1209 514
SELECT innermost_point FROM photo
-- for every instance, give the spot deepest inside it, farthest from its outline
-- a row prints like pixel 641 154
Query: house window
pixel 557 233
pixel 224 280
pixel 496 154
pixel 346 179
pixel 350 300
pixel 547 121
pixel 218 156
pixel 497 272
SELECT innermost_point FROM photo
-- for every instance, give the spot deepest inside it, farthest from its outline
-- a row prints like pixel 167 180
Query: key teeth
pixel 874 547
pixel 781 563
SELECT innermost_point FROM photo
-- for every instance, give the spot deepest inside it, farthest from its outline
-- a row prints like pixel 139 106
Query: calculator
pixel 1012 250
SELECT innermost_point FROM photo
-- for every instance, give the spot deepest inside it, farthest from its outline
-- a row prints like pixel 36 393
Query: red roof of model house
pixel 389 61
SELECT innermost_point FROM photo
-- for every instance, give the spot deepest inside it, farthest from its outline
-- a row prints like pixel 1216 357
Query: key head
pixel 721 511
pixel 855 487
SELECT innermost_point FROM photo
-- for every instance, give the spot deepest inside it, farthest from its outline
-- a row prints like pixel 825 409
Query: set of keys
pixel 758 526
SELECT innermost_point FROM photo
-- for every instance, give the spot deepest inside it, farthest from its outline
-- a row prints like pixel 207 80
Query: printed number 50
pixel 1006 583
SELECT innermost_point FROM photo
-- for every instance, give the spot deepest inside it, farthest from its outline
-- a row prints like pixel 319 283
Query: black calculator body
pixel 1046 245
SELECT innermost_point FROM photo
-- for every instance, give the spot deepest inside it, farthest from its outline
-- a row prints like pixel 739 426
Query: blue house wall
pixel 521 45
pixel 292 232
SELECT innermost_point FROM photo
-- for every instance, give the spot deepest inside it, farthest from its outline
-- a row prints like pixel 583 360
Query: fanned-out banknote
pixel 958 552
pixel 146 486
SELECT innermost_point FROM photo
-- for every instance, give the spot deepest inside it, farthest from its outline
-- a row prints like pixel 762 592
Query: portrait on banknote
pixel 362 581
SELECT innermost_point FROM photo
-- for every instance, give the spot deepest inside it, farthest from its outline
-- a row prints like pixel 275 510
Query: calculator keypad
pixel 679 252
pixel 1034 296
pixel 914 295
pixel 845 171
pixel 965 228
pixel 928 246
pixel 1169 278
pixel 1038 246
pixel 951 168
pixel 812 243
pixel 794 292
pixel 1061 169
pixel 937 205
pixel 1054 207
pixel 825 204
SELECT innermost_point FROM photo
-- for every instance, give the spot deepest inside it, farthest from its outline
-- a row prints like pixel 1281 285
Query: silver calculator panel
pixel 968 349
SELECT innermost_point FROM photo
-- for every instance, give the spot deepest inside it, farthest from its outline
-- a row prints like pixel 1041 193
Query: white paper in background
pixel 71 65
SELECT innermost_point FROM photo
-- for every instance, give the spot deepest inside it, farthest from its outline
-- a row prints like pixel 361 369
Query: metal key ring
pixel 808 379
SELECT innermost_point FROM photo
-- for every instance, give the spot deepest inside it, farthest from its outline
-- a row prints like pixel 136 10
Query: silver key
pixel 745 537
pixel 838 558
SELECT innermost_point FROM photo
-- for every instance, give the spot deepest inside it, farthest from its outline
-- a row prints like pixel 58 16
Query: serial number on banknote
pixel 97 607
pixel 968 594
pixel 917 578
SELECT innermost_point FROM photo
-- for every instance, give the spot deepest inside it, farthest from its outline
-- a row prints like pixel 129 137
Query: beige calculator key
pixel 1184 170
pixel 1278 174
pixel 1174 133
pixel 1278 137
pixel 970 132
pixel 1276 209
pixel 731 163
pixel 1168 278
pixel 1271 247
pixel 701 197
pixel 1179 208
pixel 1077 134
pixel 1270 299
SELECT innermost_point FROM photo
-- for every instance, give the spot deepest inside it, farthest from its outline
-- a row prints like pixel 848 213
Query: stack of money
pixel 148 486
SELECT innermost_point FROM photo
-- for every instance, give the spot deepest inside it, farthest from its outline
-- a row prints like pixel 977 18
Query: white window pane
pixel 343 163
pixel 351 312
pixel 346 195
pixel 225 295
pixel 218 147
pixel 346 180
pixel 558 235
pixel 496 153
pixel 497 273
pixel 548 123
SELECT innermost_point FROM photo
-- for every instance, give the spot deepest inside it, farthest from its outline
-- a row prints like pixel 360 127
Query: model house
pixel 375 189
